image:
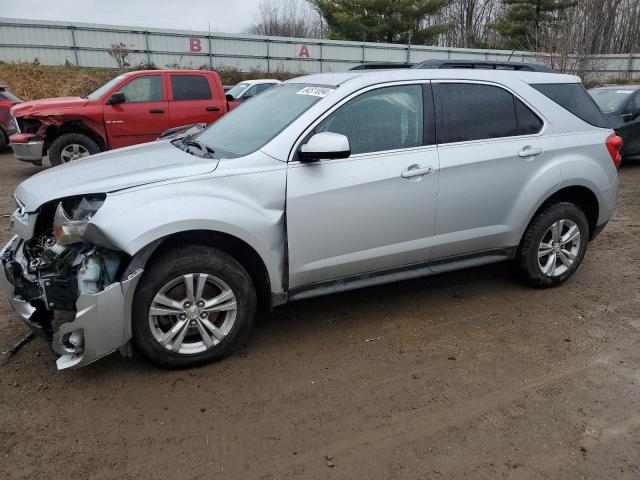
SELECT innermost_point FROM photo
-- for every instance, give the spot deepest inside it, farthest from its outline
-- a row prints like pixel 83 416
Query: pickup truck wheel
pixel 194 305
pixel 554 245
pixel 71 146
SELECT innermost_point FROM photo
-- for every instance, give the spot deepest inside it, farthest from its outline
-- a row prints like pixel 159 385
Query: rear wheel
pixel 71 146
pixel 193 306
pixel 554 245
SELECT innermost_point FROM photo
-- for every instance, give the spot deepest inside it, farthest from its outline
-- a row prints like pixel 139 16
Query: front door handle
pixel 416 171
pixel 156 110
pixel 528 152
pixel 212 109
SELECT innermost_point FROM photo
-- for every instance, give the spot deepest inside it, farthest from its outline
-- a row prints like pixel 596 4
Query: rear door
pixel 143 116
pixel 194 99
pixel 490 144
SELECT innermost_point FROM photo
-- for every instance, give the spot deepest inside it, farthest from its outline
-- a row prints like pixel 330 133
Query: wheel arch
pixel 54 131
pixel 239 249
pixel 582 196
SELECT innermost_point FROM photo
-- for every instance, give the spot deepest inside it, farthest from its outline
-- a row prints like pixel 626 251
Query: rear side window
pixel 468 111
pixel 573 97
pixel 190 87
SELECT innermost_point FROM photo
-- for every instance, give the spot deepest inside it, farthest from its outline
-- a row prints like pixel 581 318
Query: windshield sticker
pixel 625 92
pixel 315 91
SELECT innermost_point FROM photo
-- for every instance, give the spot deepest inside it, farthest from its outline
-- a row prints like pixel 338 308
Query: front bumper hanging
pixel 102 320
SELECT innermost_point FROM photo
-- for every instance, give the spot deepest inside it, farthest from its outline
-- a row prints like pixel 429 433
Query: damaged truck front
pixel 58 269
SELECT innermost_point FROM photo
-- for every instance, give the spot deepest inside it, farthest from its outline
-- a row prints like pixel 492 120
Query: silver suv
pixel 324 183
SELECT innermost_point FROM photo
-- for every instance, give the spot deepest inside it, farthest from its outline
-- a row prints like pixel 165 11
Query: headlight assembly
pixel 70 229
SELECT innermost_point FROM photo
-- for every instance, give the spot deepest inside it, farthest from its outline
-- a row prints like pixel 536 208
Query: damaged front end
pixel 49 267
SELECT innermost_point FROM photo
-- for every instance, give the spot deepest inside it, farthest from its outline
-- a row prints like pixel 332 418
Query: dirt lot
pixel 465 375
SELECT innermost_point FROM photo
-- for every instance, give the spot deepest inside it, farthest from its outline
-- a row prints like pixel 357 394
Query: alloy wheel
pixel 72 152
pixel 559 248
pixel 192 313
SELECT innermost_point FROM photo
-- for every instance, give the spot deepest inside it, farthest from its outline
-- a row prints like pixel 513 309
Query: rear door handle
pixel 156 110
pixel 212 109
pixel 528 152
pixel 416 171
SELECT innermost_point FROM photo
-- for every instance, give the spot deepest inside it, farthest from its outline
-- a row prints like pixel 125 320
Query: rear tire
pixel 175 329
pixel 71 146
pixel 553 245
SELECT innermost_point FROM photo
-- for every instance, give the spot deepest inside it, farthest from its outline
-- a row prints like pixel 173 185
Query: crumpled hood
pixel 47 106
pixel 110 171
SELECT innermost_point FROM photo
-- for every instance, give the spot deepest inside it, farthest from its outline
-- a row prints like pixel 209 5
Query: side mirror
pixel 630 117
pixel 325 145
pixel 116 98
pixel 229 98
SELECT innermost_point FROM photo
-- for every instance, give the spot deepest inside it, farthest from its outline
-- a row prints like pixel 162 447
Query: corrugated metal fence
pixel 87 45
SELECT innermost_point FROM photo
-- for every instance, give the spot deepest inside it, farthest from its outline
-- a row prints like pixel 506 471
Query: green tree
pixel 388 21
pixel 525 22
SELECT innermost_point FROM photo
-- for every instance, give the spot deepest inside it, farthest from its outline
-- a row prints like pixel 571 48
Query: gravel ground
pixel 463 375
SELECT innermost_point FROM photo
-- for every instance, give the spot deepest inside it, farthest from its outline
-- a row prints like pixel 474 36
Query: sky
pixel 227 16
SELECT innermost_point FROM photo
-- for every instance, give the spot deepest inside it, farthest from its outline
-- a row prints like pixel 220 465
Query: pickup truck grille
pixel 28 125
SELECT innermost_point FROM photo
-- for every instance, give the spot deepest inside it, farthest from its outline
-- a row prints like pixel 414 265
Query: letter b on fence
pixel 195 45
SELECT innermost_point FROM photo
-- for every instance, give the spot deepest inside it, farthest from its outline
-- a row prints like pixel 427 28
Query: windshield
pixel 105 88
pixel 257 121
pixel 237 90
pixel 610 99
pixel 7 95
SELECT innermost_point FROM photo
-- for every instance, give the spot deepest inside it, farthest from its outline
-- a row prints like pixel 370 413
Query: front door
pixel 142 117
pixel 376 209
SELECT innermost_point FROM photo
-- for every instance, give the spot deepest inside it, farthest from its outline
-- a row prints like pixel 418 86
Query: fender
pixel 133 219
pixel 577 167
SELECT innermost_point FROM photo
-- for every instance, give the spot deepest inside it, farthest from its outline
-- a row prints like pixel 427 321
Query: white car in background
pixel 248 89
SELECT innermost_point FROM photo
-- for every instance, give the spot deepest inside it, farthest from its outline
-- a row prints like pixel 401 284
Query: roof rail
pixel 381 66
pixel 485 65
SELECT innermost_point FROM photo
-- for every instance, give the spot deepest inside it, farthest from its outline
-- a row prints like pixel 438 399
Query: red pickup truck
pixel 132 108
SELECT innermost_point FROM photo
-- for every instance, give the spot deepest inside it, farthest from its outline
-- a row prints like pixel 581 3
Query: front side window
pixel 388 118
pixel 190 87
pixel 253 124
pixel 468 112
pixel 143 89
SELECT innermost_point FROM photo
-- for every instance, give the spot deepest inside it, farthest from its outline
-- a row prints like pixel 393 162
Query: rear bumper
pixel 29 151
pixel 101 324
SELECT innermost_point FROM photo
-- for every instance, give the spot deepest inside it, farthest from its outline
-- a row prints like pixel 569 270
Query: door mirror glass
pixel 229 97
pixel 325 145
pixel 116 98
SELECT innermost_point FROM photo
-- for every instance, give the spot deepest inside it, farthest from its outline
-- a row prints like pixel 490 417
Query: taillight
pixel 614 145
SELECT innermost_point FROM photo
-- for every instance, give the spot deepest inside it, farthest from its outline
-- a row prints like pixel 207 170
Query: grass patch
pixel 30 81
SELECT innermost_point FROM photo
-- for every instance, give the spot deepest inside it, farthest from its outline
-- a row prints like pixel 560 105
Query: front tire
pixel 71 146
pixel 194 305
pixel 553 245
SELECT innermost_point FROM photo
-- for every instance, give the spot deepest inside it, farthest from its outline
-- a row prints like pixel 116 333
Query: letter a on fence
pixel 304 52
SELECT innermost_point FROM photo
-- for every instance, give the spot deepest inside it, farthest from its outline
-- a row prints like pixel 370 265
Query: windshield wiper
pixel 205 149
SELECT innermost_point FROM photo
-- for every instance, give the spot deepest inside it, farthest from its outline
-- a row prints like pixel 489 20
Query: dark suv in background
pixel 621 105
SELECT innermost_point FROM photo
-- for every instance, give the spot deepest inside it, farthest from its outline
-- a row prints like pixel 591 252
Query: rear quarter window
pixel 573 97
